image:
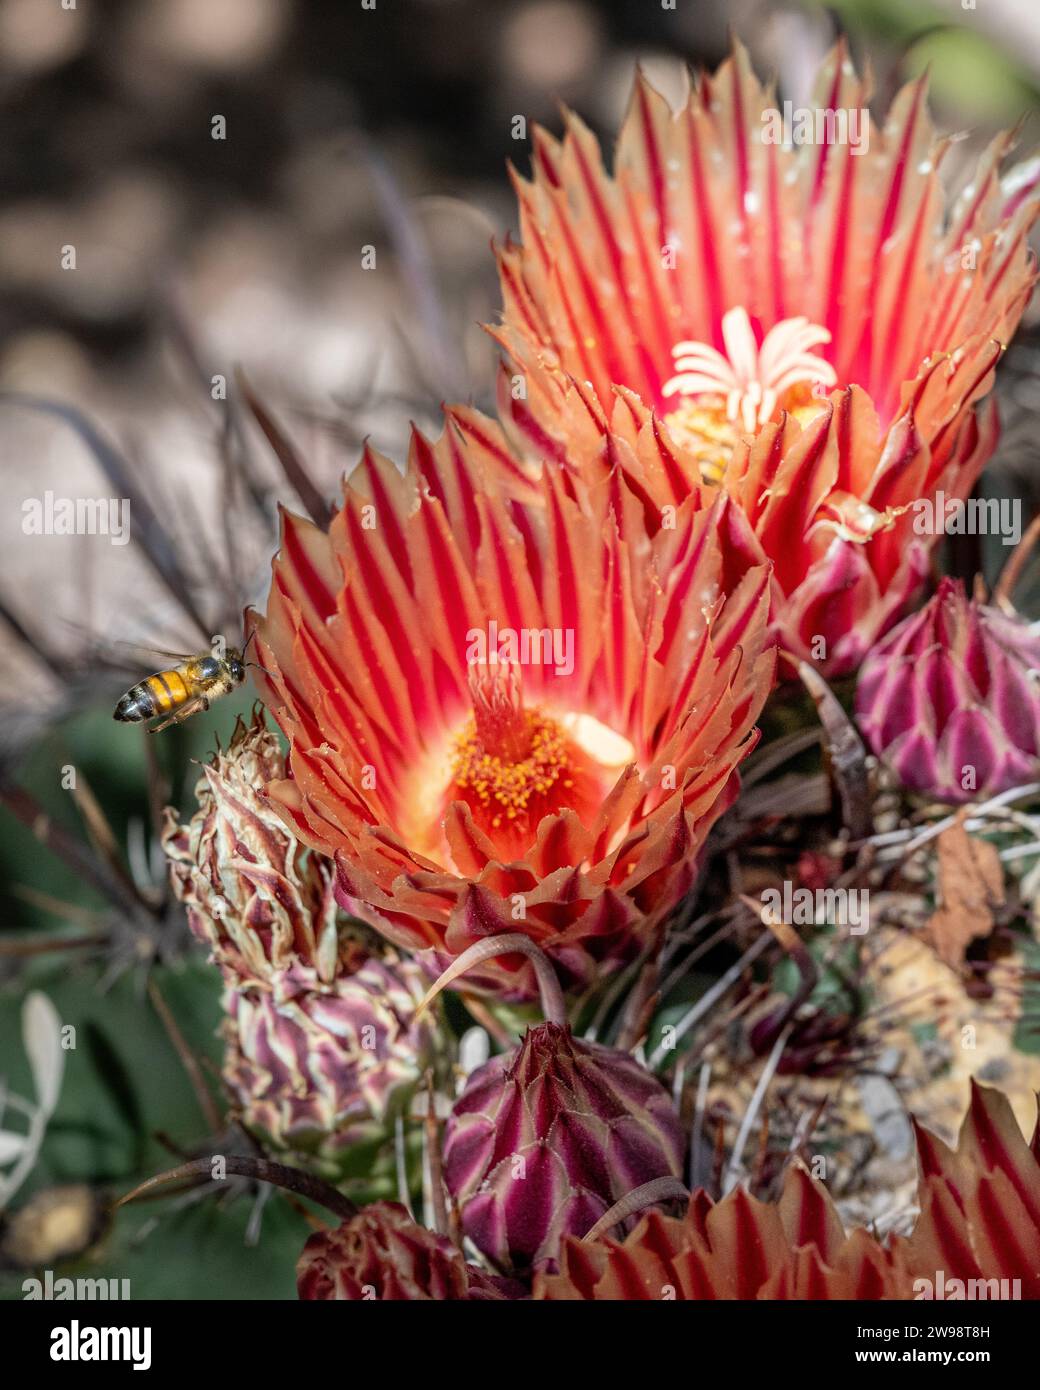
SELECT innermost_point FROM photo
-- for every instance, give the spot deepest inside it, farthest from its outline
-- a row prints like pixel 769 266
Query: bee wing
pixel 100 644
pixel 155 651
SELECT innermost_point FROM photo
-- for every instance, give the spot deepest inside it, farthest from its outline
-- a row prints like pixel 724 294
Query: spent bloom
pixel 950 698
pixel 816 325
pixel 381 1253
pixel 319 1031
pixel 503 715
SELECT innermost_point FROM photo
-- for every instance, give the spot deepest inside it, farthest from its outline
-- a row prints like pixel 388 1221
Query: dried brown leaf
pixel 971 885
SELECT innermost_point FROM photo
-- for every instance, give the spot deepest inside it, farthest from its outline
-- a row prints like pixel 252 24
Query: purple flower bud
pixel 950 700
pixel 545 1139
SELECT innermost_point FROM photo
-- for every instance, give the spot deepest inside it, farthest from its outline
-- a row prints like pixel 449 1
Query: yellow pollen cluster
pixel 802 405
pixel 506 787
pixel 703 427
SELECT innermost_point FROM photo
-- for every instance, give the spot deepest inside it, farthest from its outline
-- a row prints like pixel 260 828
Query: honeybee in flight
pixel 185 689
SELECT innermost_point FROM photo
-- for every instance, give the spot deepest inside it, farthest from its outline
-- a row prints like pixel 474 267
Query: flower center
pixel 512 765
pixel 724 395
pixel 505 787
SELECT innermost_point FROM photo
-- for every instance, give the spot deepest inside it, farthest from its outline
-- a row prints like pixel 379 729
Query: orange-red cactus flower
pixel 977 1234
pixel 503 714
pixel 814 321
pixel 738 1248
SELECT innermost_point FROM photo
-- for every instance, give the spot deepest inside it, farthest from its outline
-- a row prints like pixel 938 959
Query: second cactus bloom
pixel 950 699
pixel 825 393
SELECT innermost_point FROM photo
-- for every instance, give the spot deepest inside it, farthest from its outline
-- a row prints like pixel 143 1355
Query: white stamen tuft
pixel 751 378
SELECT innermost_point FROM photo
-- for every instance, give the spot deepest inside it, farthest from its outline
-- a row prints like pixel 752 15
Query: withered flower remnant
pixel 321 1043
pixel 383 1254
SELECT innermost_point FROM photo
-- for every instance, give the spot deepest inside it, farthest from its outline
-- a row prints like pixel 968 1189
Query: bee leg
pixel 179 716
pixel 165 724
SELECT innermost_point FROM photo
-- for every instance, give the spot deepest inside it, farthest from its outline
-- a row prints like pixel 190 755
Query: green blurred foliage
pixel 1027 1028
pixel 111 758
pixel 124 1083
pixel 971 74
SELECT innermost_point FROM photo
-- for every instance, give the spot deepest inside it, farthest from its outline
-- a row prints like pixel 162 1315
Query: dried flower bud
pixel 253 893
pixel 318 1070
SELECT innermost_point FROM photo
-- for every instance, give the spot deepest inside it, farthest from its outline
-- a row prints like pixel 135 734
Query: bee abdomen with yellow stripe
pixel 173 696
pixel 159 694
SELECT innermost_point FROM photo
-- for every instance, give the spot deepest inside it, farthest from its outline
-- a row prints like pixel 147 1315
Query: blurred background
pixel 203 198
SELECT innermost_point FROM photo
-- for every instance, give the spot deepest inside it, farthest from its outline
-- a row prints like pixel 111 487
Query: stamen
pixel 751 380
pixel 504 787
pixel 701 427
pixel 514 766
pixel 507 759
pixel 498 709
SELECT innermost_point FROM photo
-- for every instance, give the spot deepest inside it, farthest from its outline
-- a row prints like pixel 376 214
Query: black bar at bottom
pixel 241 1338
